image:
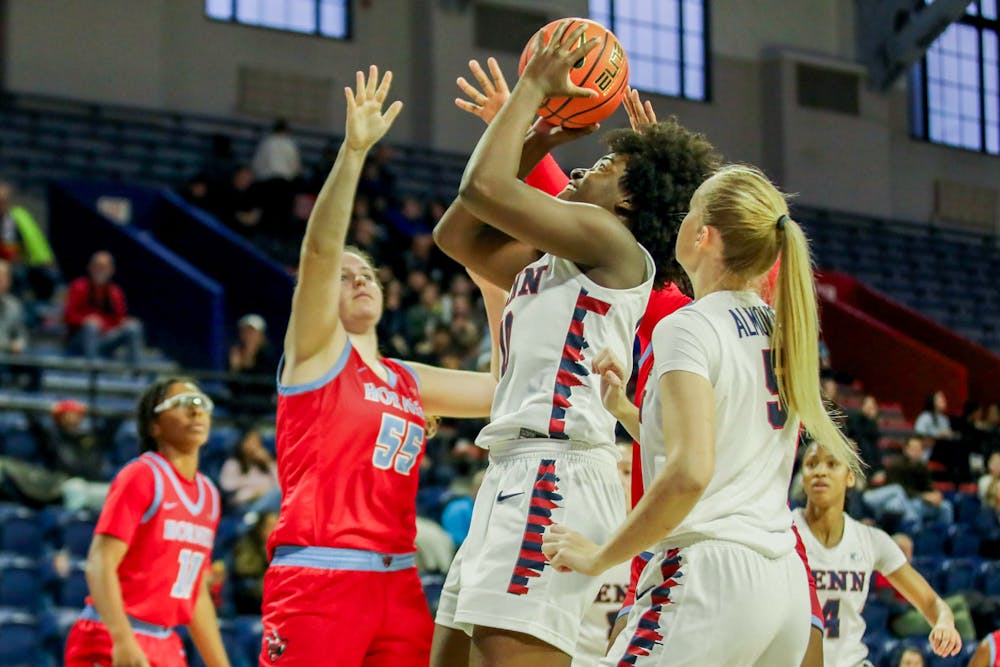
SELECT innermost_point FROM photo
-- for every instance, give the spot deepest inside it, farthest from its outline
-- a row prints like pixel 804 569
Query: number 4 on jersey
pixel 398 444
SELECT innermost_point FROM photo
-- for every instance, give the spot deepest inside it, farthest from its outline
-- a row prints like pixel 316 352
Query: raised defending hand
pixel 366 123
pixel 613 381
pixel 945 640
pixel 551 63
pixel 569 551
pixel 639 113
pixel 483 103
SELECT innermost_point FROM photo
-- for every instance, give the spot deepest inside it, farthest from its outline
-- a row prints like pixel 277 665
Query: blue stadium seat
pixel 964 543
pixel 987 525
pixel 930 540
pixel 249 630
pixel 20 583
pixel 432 583
pixel 21 533
pixel 958 575
pixel 930 568
pixel 966 508
pixel 880 649
pixel 76 532
pixel 19 444
pixel 989 578
pixel 222 440
pixel 126 442
pixel 73 589
pixel 876 615
pixel 954 661
pixel 20 640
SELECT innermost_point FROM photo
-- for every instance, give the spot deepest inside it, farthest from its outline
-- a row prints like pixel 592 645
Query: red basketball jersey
pixel 169 525
pixel 349 450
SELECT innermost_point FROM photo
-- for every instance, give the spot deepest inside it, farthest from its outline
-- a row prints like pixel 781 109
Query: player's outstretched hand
pixel 613 381
pixel 569 551
pixel 945 640
pixel 639 113
pixel 483 103
pixel 366 123
pixel 552 61
pixel 126 653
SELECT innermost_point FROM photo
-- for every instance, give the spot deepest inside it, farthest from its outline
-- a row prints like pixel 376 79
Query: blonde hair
pixel 751 216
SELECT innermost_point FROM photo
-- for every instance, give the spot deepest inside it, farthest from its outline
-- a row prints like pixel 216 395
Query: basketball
pixel 604 70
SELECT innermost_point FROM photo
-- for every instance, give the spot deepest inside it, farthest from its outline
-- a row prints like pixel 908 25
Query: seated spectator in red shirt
pixel 96 314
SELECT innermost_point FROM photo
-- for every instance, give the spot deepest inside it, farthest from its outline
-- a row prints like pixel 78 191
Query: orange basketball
pixel 604 70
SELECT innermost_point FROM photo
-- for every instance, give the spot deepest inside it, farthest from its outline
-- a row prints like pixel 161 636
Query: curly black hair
pixel 145 413
pixel 666 164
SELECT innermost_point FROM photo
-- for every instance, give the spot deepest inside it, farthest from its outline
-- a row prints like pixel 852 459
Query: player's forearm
pixel 496 161
pixel 331 215
pixel 494 299
pixel 205 631
pixel 106 594
pixel 628 416
pixel 939 613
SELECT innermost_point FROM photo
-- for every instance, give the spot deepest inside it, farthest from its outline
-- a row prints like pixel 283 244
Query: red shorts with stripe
pixel 369 619
pixel 89 645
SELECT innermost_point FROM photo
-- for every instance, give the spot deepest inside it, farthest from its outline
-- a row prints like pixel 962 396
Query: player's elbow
pixel 475 190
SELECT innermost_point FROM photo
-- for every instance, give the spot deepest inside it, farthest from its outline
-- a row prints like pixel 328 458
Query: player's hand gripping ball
pixel 604 70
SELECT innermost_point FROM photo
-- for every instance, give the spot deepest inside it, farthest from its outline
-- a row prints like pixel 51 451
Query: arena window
pixel 956 88
pixel 327 18
pixel 666 43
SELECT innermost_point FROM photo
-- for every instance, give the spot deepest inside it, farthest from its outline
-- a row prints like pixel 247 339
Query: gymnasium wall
pixel 167 54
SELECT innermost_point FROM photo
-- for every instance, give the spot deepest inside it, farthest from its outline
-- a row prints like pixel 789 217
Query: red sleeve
pixel 662 302
pixel 547 176
pixel 76 309
pixel 817 608
pixel 131 494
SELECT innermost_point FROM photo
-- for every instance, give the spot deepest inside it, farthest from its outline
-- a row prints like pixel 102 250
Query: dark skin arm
pixel 591 236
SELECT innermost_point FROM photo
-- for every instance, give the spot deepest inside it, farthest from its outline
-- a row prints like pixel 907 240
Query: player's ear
pixel 154 430
pixel 852 479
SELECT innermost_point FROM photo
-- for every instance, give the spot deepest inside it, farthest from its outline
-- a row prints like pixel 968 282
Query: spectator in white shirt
pixel 250 477
pixel 277 165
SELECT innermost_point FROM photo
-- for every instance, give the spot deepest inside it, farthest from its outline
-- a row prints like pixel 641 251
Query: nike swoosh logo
pixel 169 506
pixel 501 497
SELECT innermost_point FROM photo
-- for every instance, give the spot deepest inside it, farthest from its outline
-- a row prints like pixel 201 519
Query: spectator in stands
pixel 238 202
pixel 14 335
pixel 862 427
pixel 435 549
pixel 909 490
pixel 392 327
pixel 366 235
pixel 457 514
pixel 911 657
pixel 407 221
pixel 196 192
pixel 990 480
pixel 23 243
pixel 249 479
pixel 96 314
pixel 933 422
pixel 220 164
pixel 250 564
pixel 69 446
pixel 378 183
pixel 277 165
pixel 252 356
pixel 423 317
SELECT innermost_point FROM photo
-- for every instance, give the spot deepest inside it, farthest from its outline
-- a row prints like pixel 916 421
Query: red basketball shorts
pixel 89 645
pixel 351 618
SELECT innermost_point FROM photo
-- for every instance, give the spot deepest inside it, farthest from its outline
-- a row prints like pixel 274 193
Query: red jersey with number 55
pixel 349 448
pixel 168 523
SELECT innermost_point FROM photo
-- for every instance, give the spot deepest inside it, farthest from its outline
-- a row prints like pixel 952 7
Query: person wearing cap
pixel 252 354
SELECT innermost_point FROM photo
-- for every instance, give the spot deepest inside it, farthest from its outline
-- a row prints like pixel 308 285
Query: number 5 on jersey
pixel 398 444
pixel 776 414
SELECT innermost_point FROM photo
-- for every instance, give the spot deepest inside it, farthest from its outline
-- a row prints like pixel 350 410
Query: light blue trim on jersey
pixel 645 355
pixel 329 376
pixel 194 508
pixel 324 558
pixel 992 643
pixel 138 627
pixel 157 491
pixel 391 378
pixel 818 623
pixel 409 369
pixel 624 611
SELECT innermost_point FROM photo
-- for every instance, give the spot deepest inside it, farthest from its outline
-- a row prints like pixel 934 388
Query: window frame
pixel 706 67
pixel 348 22
pixel 920 102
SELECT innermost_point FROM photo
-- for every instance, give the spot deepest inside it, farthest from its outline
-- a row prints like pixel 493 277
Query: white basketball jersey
pixel 555 322
pixel 843 574
pixel 595 630
pixel 725 338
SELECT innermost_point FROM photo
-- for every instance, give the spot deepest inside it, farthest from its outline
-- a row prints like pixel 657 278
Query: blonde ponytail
pixel 751 214
pixel 795 345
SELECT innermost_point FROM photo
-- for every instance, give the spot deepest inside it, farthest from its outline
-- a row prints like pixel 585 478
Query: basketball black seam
pixel 592 67
pixel 610 98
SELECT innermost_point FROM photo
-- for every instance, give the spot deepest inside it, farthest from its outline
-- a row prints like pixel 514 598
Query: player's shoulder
pixel 141 469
